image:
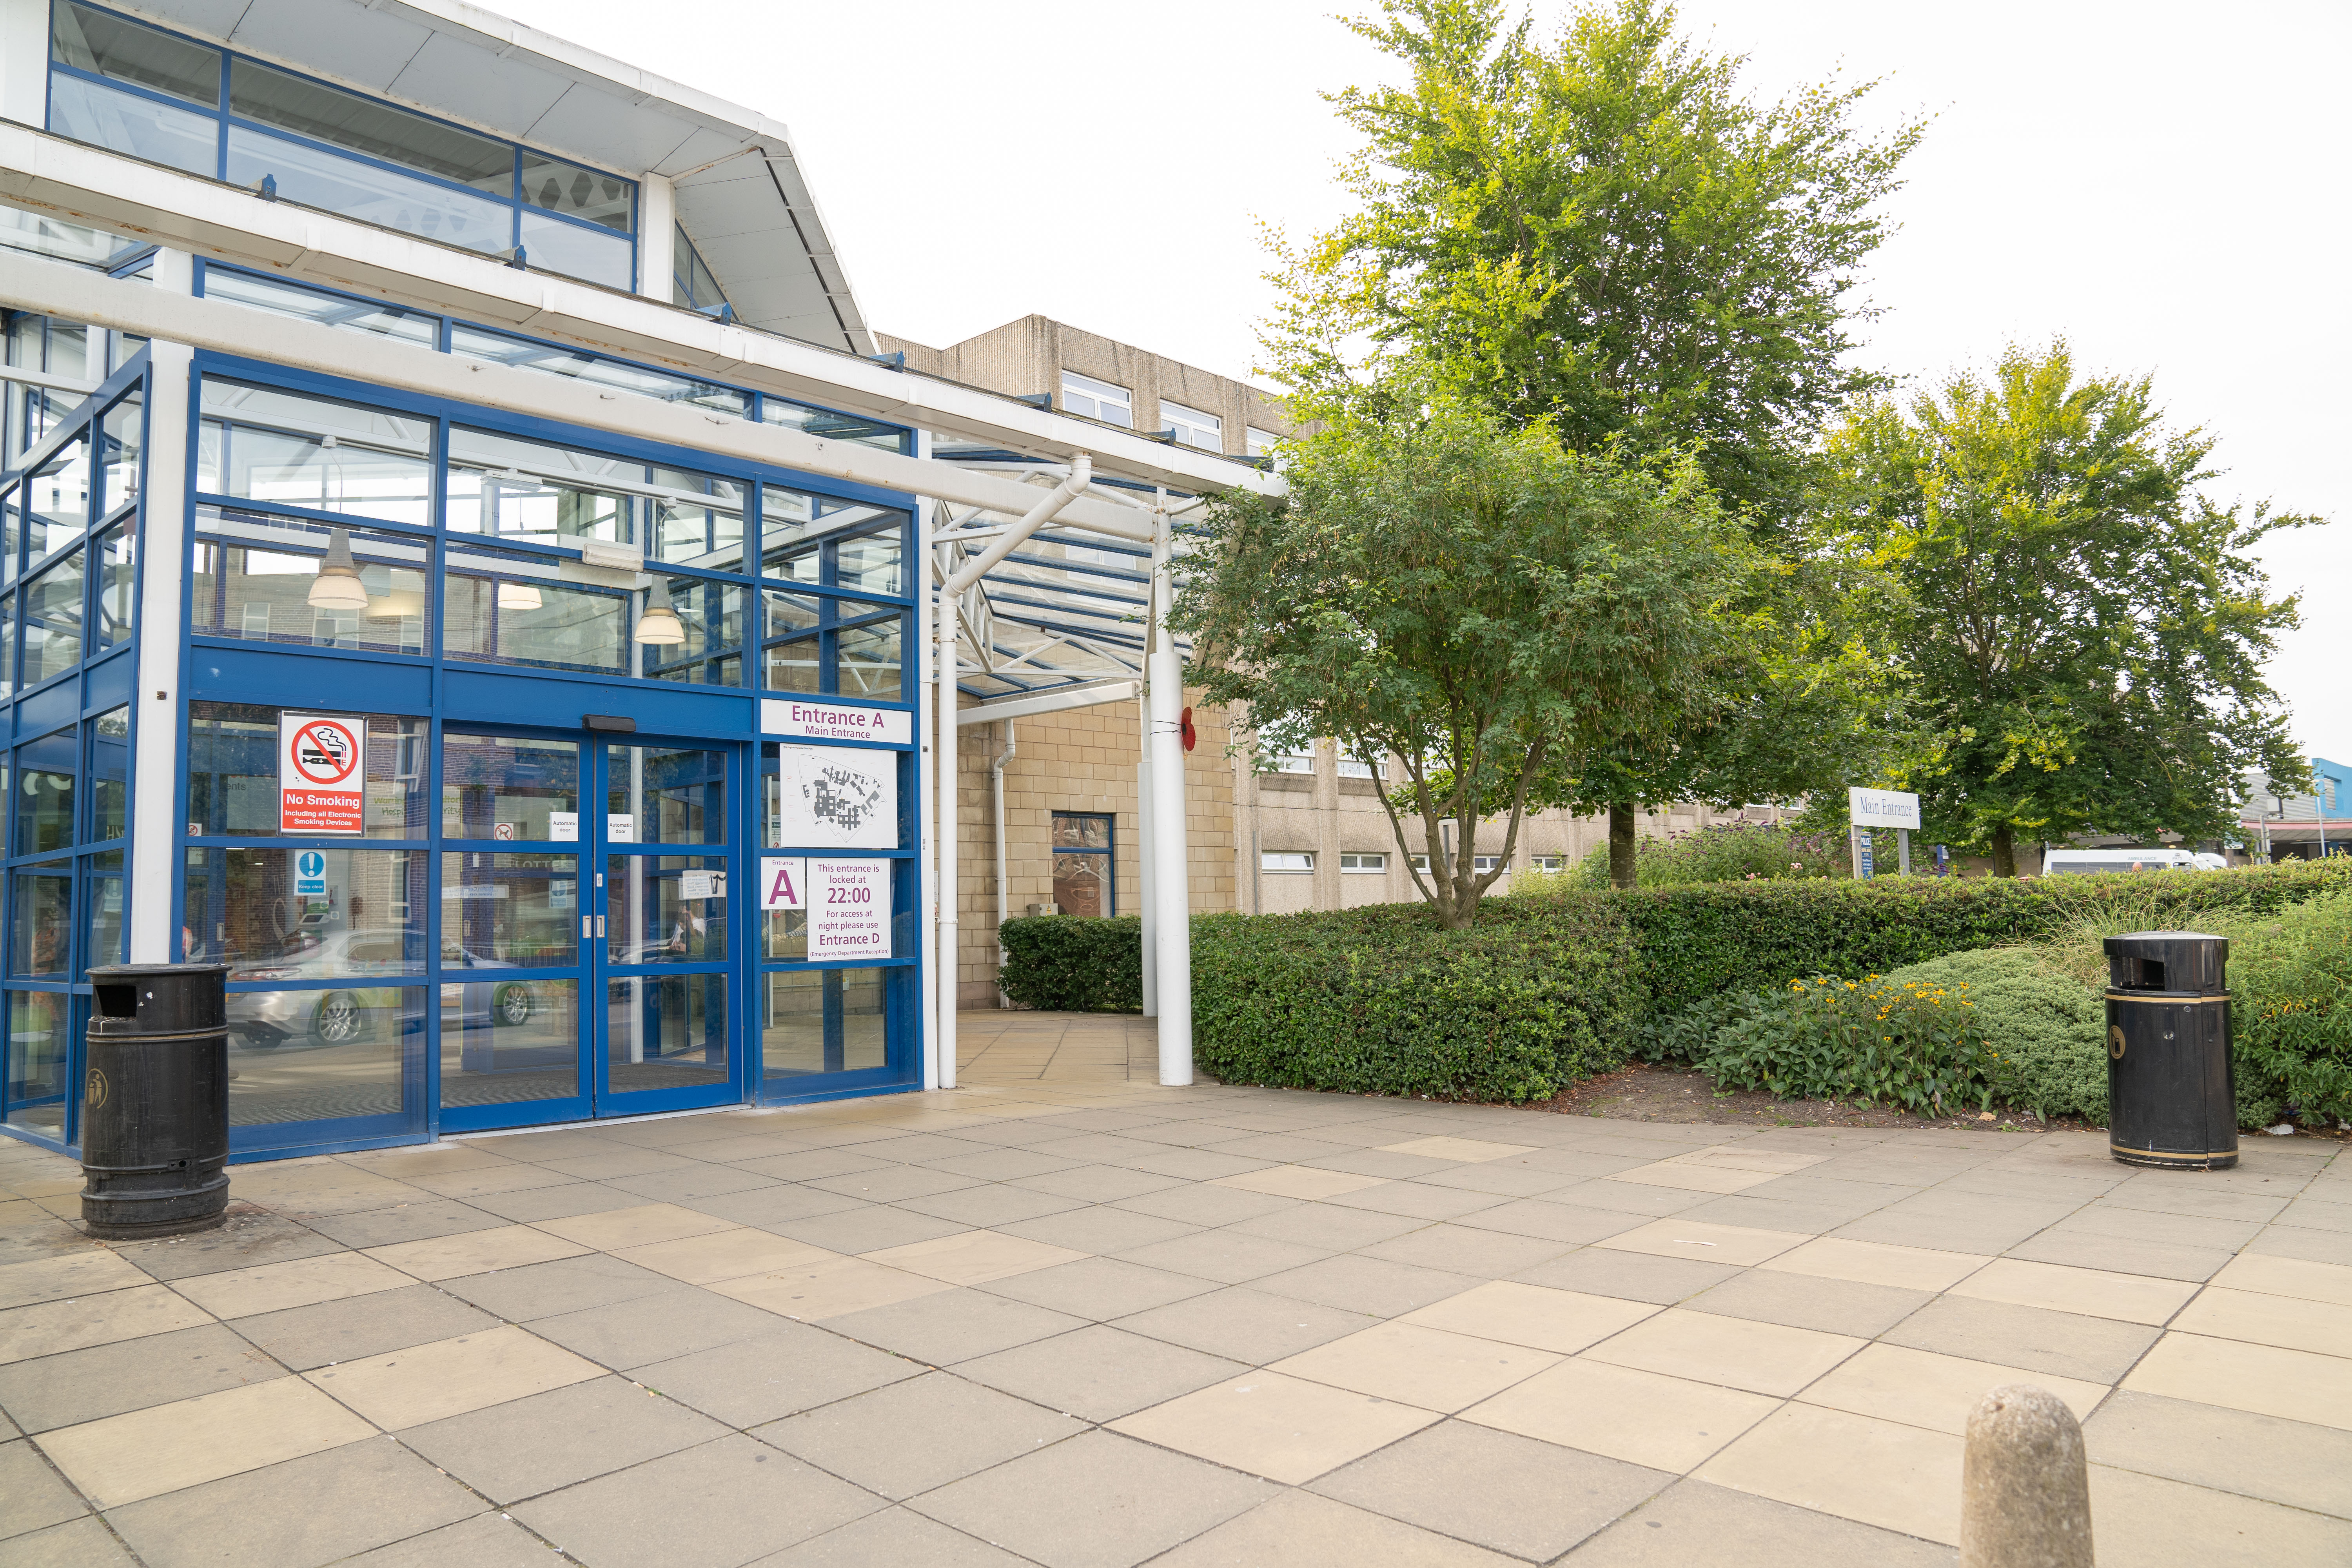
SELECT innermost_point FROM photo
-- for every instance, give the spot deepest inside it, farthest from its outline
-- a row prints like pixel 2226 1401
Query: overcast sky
pixel 2162 184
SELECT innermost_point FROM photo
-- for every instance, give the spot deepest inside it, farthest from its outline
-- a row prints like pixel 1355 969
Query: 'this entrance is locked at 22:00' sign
pixel 847 902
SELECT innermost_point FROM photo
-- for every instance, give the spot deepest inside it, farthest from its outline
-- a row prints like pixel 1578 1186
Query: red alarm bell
pixel 1189 736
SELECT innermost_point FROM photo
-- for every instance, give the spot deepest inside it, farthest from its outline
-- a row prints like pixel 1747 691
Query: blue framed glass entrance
pixel 447 982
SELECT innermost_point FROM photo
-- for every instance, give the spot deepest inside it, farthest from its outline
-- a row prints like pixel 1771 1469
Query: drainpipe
pixel 951 590
pixel 1004 905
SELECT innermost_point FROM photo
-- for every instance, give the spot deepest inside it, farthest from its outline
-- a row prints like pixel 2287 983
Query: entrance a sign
pixel 849 909
pixel 806 719
pixel 321 774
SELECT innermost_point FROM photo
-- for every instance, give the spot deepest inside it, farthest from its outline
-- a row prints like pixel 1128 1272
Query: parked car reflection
pixel 266 1020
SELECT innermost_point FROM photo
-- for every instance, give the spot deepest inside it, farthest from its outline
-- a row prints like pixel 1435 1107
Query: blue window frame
pixel 71 523
pixel 155 95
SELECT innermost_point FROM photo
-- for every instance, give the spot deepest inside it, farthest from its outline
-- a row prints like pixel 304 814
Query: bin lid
pixel 2194 962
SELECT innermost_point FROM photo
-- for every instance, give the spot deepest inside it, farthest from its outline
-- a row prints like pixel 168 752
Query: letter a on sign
pixel 321 774
pixel 783 883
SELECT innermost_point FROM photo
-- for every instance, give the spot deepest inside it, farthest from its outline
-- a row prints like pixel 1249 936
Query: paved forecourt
pixel 1066 1317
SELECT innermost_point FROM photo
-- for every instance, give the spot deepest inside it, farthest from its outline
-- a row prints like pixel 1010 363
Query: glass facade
pixel 525 922
pixel 134 89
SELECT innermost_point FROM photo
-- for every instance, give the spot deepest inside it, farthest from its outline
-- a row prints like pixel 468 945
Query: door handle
pixel 584 932
pixel 600 925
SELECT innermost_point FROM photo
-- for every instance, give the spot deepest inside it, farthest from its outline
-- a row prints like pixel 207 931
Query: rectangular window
pixel 119 50
pixel 1355 768
pixel 1276 861
pixel 54 635
pixel 46 772
pixel 712 653
pixel 508 608
pixel 1483 862
pixel 136 90
pixel 811 538
pixel 233 774
pixel 1548 863
pixel 263 444
pixel 44 924
pixel 1351 861
pixel 866 655
pixel 361 916
pixel 508 486
pixel 1419 863
pixel 114 602
pixel 1193 427
pixel 122 432
pixel 832 427
pixel 825 1020
pixel 57 500
pixel 500 788
pixel 1097 399
pixel 1084 883
pixel 40 1060
pixel 691 283
pixel 1294 762
pixel 505 1040
pixel 256 578
pixel 1257 443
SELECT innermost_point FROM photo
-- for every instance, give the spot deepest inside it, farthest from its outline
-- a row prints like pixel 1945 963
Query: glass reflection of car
pixel 268 1019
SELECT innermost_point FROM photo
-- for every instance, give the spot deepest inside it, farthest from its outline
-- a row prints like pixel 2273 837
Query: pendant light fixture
pixel 518 596
pixel 338 585
pixel 659 623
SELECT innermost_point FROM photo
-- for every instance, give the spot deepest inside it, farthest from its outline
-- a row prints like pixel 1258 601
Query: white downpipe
pixel 996 791
pixel 1144 840
pixel 1171 885
pixel 1081 474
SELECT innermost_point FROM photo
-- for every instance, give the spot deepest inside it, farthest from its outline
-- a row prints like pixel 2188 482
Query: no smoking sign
pixel 321 774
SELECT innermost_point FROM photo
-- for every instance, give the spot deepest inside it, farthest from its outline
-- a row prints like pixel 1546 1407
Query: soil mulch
pixel 1643 1093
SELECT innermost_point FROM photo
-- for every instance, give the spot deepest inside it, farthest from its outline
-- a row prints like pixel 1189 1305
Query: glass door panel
pixel 666 959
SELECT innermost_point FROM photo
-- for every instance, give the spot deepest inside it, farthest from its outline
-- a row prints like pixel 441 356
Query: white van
pixel 2060 862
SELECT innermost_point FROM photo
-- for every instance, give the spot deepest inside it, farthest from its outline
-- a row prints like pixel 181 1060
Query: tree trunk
pixel 1621 846
pixel 2005 851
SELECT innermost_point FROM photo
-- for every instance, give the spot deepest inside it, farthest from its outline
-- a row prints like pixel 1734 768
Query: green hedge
pixel 1382 1001
pixel 1702 940
pixel 1553 987
pixel 1066 963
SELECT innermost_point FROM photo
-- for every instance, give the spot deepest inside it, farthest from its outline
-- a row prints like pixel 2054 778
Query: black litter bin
pixel 154 1109
pixel 2171 1096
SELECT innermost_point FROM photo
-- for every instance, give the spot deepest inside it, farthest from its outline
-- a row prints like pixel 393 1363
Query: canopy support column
pixel 1146 845
pixel 1170 886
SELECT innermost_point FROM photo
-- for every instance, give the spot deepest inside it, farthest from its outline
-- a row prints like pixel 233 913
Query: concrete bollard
pixel 2025 1487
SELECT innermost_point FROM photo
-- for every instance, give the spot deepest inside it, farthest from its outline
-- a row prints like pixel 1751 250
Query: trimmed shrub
pixel 2291 1014
pixel 1713 939
pixel 1381 1001
pixel 1554 984
pixel 1069 964
pixel 2044 1032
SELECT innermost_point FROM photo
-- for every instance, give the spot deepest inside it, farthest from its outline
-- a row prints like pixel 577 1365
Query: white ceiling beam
pixel 79 294
pixel 1092 695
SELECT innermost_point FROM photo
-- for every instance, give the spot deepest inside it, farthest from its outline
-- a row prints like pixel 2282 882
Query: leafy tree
pixel 1599 231
pixel 2086 631
pixel 1489 606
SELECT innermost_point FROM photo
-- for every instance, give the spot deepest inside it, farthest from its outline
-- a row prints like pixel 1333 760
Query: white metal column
pixel 163 552
pixel 948 792
pixel 1145 844
pixel 927 792
pixel 1171 886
